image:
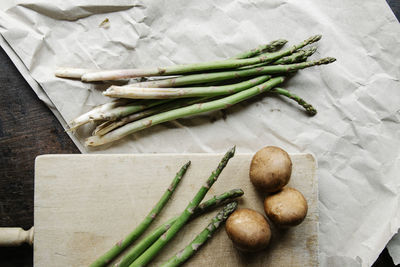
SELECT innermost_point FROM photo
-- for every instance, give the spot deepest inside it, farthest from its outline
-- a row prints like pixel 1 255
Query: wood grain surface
pixel 27 129
pixel 84 204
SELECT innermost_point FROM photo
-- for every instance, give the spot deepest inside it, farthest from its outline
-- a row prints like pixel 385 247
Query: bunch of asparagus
pixel 196 88
pixel 147 249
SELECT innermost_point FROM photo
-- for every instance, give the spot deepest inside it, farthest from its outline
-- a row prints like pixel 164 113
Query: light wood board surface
pixel 86 203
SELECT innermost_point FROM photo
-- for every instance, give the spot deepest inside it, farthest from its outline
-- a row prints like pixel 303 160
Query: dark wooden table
pixel 28 129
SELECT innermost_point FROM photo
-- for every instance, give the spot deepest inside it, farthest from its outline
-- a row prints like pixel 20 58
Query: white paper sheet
pixel 355 136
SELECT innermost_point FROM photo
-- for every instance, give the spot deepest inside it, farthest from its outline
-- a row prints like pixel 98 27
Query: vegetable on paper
pixel 183 112
pixel 106 75
pixel 162 93
pixel 194 88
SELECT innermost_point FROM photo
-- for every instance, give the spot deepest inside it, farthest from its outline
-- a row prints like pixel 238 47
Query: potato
pixel 270 169
pixel 286 208
pixel 248 230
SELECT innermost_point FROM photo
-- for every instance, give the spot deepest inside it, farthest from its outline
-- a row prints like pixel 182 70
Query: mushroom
pixel 270 169
pixel 286 208
pixel 248 230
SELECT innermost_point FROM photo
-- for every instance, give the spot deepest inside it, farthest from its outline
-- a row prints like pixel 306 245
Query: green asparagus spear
pixel 162 93
pixel 153 250
pixel 206 234
pixel 299 56
pixel 138 249
pixel 308 107
pixel 183 112
pixel 228 75
pixel 270 47
pixel 216 200
pixel 135 234
pixel 197 67
pixel 145 243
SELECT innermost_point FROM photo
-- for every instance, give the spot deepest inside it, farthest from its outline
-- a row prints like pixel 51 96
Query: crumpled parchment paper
pixel 355 135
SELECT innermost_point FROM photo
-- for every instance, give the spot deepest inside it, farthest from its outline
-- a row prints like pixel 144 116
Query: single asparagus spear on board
pixel 183 112
pixel 161 242
pixel 270 47
pixel 138 249
pixel 163 93
pixel 182 256
pixel 138 231
pixel 228 75
pixel 308 107
pixel 196 67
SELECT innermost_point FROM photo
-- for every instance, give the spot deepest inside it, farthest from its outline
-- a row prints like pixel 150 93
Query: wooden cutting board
pixel 86 203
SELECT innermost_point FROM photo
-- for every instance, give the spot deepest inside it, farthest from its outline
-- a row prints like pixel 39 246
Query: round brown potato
pixel 286 208
pixel 270 169
pixel 248 230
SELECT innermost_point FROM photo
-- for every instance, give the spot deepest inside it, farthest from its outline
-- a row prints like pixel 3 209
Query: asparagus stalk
pixel 182 256
pixel 270 47
pixel 101 129
pixel 87 117
pixel 124 110
pixel 138 249
pixel 144 244
pixel 227 75
pixel 197 67
pixel 216 200
pixel 183 112
pixel 73 73
pixel 157 246
pixel 162 93
pixel 76 73
pixel 296 57
pixel 108 126
pixel 121 245
pixel 308 107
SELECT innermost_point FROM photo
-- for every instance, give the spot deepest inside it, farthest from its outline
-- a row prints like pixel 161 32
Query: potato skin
pixel 286 208
pixel 248 230
pixel 270 169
